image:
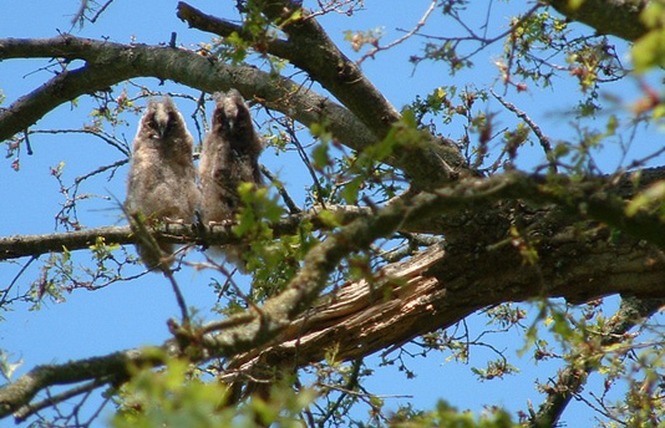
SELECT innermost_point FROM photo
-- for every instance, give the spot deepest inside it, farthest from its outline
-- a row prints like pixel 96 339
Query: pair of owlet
pixel 162 177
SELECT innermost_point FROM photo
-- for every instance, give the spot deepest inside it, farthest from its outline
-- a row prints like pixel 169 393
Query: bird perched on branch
pixel 161 186
pixel 229 157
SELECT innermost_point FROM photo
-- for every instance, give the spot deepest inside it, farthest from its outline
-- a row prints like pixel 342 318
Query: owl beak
pixel 230 123
pixel 161 129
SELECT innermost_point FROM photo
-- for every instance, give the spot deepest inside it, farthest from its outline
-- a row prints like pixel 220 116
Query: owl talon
pixel 178 221
pixel 199 228
pixel 222 223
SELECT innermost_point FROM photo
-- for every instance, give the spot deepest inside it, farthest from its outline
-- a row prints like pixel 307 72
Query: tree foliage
pixel 459 206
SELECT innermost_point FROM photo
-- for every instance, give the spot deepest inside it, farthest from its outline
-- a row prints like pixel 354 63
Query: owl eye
pixel 170 123
pixel 220 118
pixel 243 114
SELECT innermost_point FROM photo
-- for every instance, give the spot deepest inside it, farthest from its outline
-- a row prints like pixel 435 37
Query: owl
pixel 162 179
pixel 230 156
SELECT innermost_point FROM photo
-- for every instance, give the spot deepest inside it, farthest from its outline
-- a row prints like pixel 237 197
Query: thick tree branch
pixel 115 367
pixel 13 247
pixel 435 213
pixel 110 63
pixel 212 24
pixel 620 18
pixel 65 87
pixel 255 329
pixel 434 290
pixel 35 245
pixel 309 48
pixel 431 291
pixel 188 68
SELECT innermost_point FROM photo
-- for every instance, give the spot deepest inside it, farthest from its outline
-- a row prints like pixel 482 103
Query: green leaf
pixel 575 4
pixel 649 51
pixel 652 195
pixel 321 156
pixel 8 368
pixel 350 191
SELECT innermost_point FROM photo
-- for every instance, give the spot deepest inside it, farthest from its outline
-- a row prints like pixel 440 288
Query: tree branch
pixel 595 198
pixel 309 48
pixel 256 330
pixel 212 24
pixel 620 18
pixel 110 63
pixel 571 380
pixel 66 86
pixel 28 410
pixel 116 366
pixel 35 245
pixel 430 291
pixel 13 247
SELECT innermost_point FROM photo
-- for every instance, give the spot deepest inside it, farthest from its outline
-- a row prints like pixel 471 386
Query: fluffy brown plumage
pixel 162 179
pixel 229 157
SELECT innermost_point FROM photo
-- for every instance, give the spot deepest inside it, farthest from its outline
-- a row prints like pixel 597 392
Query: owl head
pixel 161 119
pixel 231 116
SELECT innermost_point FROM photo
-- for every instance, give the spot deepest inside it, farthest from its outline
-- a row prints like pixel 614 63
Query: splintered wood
pixel 358 318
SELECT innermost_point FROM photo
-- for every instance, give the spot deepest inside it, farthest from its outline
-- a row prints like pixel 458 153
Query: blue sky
pixel 126 315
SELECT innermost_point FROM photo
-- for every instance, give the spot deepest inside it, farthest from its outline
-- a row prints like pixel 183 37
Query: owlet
pixel 162 179
pixel 229 157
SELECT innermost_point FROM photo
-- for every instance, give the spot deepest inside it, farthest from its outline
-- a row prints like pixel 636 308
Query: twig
pixel 545 142
pixel 80 17
pixel 80 13
pixel 153 256
pixel 99 170
pixel 6 291
pixel 394 43
pixel 303 156
pixel 348 389
pixel 109 139
pixel 290 203
pixel 571 379
pixel 28 146
pixel 26 411
pixel 483 40
pixel 100 11
pixel 185 321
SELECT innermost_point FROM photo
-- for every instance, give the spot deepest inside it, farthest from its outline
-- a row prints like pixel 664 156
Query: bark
pixel 309 48
pixel 619 18
pixel 428 164
pixel 428 292
pixel 570 226
pixel 432 290
pixel 109 63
